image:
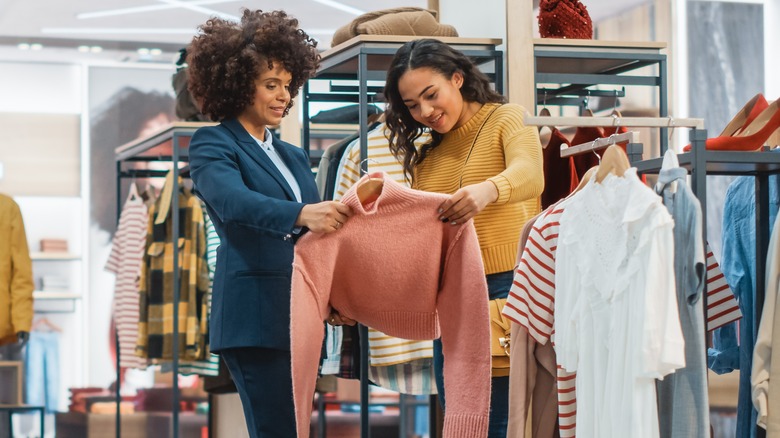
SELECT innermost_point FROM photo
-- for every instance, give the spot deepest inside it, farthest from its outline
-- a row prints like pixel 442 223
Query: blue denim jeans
pixel 498 287
pixel 42 370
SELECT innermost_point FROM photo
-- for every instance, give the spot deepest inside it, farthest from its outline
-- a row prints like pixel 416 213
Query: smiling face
pixel 432 99
pixel 272 95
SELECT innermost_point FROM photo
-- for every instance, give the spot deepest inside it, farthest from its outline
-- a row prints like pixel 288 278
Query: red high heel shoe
pixel 743 118
pixel 754 135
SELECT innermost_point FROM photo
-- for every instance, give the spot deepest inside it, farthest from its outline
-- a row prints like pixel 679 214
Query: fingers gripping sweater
pixel 397 268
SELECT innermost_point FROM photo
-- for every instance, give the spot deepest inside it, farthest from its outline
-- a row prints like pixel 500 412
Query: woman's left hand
pixel 467 202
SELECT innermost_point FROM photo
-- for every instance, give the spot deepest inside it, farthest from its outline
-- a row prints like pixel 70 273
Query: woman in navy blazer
pixel 261 196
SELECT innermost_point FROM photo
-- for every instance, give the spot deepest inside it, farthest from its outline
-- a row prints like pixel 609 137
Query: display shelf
pixel 49 295
pixel 53 256
pixel 159 143
pixel 341 62
pixel 722 163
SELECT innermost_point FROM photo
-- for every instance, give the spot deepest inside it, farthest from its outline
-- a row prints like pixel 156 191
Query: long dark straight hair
pixel 442 58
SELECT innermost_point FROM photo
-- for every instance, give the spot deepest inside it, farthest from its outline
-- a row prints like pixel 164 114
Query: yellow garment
pixel 509 154
pixel 16 283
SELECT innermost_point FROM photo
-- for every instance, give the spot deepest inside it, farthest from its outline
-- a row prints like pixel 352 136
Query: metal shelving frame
pixel 168 145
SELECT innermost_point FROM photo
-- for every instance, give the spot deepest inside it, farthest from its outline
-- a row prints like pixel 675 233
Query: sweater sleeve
pixel 21 275
pixel 523 177
pixel 762 353
pixel 465 333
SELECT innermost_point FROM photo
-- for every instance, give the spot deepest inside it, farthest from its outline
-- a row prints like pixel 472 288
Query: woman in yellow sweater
pixel 480 152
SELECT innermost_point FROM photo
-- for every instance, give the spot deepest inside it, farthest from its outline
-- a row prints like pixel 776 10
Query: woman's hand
pixel 336 319
pixel 467 202
pixel 323 217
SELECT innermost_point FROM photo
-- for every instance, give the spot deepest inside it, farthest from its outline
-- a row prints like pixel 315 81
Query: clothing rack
pixel 167 145
pixel 367 58
pixel 599 143
pixel 701 163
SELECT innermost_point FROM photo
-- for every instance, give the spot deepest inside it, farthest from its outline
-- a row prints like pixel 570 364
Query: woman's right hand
pixel 324 217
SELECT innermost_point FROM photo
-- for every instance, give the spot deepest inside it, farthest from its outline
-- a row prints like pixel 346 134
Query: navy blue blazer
pixel 254 212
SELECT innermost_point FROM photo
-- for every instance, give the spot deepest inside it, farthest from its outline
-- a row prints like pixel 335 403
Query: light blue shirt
pixel 268 147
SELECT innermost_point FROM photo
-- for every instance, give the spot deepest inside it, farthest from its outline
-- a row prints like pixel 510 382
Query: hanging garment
pixel 124 261
pixel 155 332
pixel 329 162
pixel 210 365
pixel 531 303
pixel 559 175
pixel 386 352
pixel 42 370
pixel 739 266
pixel 532 378
pixel 616 306
pixel 16 280
pixel 683 402
pixel 766 362
pixel 415 292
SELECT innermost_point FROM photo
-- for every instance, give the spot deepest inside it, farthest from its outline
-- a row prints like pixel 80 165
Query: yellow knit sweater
pixel 509 154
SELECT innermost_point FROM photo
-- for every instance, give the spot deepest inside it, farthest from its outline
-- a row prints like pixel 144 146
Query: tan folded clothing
pixel 397 21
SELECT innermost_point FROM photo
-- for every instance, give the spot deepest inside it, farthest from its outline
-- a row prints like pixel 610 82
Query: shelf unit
pixel 574 66
pixel 53 256
pixel 170 144
pixel 367 58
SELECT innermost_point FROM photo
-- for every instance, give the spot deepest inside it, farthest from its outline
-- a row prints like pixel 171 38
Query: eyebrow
pixel 421 92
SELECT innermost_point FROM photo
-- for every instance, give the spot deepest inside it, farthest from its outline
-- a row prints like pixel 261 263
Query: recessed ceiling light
pixel 36 46
pixel 83 49
pixel 23 46
pixel 143 51
pixel 155 52
pixel 95 49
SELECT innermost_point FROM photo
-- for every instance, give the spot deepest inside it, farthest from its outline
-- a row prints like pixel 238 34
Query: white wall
pixel 40 88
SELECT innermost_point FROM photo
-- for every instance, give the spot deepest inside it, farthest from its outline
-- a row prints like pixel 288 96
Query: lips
pixel 435 122
pixel 279 110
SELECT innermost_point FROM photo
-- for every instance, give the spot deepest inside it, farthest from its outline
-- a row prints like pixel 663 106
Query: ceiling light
pixel 95 49
pixel 341 7
pixel 117 30
pixel 143 51
pixel 148 8
pixel 155 52
pixel 202 10
pixel 36 46
pixel 83 49
pixel 23 46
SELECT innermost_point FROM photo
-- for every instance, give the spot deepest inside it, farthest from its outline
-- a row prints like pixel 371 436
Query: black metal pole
pixel 118 385
pixel 176 283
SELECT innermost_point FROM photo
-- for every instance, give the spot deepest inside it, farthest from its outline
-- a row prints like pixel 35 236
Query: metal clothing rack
pixel 701 163
pixel 168 145
pixel 365 59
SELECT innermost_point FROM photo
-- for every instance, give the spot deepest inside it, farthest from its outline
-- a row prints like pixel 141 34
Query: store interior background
pixel 52 98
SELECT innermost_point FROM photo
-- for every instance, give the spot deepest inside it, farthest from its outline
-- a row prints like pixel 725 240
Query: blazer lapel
pixel 301 172
pixel 250 146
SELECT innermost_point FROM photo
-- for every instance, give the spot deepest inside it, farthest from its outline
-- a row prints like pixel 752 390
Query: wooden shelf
pixel 158 143
pixel 54 256
pixel 49 295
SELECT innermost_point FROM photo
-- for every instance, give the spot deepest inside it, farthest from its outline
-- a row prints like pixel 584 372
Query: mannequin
pixel 16 278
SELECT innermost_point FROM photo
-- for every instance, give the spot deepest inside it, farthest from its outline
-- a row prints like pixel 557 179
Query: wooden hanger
pixel 368 191
pixel 584 180
pixel 613 161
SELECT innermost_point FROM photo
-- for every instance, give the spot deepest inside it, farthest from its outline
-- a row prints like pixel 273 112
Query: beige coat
pixel 16 282
pixel 765 377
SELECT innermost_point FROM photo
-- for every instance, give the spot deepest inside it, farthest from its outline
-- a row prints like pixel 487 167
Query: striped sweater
pixel 509 154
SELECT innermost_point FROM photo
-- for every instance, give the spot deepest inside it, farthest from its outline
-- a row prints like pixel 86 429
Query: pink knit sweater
pixel 396 268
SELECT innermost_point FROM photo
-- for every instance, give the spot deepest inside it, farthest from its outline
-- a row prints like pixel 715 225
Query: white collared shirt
pixel 268 147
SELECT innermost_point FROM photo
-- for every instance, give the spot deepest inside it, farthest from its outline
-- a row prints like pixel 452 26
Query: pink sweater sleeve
pixel 465 333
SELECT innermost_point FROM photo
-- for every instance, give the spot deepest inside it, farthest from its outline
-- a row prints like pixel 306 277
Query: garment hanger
pixel 587 112
pixel 44 322
pixel 133 190
pixel 585 178
pixel 369 190
pixel 613 161
pixel 544 112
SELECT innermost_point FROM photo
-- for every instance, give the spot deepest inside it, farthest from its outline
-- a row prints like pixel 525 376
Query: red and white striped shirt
pixel 531 301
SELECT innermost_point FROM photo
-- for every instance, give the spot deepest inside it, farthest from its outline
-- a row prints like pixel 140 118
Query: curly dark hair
pixel 434 54
pixel 226 58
